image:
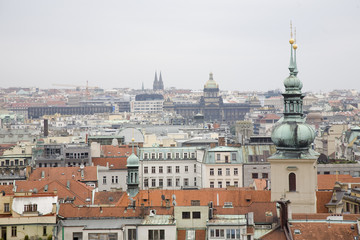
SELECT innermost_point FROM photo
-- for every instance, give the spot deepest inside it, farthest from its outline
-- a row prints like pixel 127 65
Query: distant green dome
pixel 293 135
pixel 132 161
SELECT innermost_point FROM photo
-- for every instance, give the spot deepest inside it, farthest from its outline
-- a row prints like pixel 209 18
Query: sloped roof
pixel 53 173
pixel 327 182
pixel 323 230
pixel 239 197
pixel 116 151
pixel 112 162
pixel 322 198
pixel 77 189
pixel 108 197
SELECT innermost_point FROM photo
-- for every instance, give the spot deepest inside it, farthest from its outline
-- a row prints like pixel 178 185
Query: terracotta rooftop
pixel 53 173
pixel 110 198
pixel 323 230
pixel 116 151
pixel 327 181
pixel 276 234
pixel 322 198
pixel 112 162
pixel 76 189
pixel 240 197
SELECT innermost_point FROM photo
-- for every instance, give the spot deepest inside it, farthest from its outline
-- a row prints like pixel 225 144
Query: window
pixel 254 175
pixel 157 234
pixel 153 182
pixel 168 155
pixel 233 157
pixel 113 179
pixel 44 231
pixel 13 231
pixel 104 179
pixel 185 155
pixel 217 233
pixel 292 182
pixel 30 208
pixel 177 155
pixel 6 207
pixel 186 168
pixel 161 182
pixel 218 157
pixel 228 172
pixel 195 202
pixel 194 168
pixel 211 184
pixel 145 155
pixel 16 162
pixel 177 169
pixel 226 159
pixel 227 183
pixel 153 169
pixel 160 155
pixel 107 236
pixel 219 184
pixel 116 179
pixel 232 233
pixel 131 234
pixel 185 215
pixel 186 182
pixel 192 155
pixel 211 172
pixel 160 169
pixel 236 184
pixel 146 182
pixel 169 169
pixel 146 169
pixel 169 182
pixel 196 215
pixel 219 171
pixel 153 155
pixel 265 175
pixel 195 181
pixel 236 171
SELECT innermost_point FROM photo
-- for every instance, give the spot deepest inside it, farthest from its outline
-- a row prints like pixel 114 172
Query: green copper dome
pixel 132 161
pixel 293 136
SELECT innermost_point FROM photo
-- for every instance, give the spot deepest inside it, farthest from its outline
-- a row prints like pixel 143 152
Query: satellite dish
pixel 163 197
pixel 173 197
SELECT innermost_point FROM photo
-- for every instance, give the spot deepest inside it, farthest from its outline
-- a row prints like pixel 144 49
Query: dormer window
pixel 30 208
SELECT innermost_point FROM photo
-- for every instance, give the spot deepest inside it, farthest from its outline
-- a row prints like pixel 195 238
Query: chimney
pixel 221 141
pixel 212 145
pixel 46 128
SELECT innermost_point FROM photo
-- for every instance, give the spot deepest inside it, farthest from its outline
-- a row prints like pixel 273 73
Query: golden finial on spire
pixel 295 45
pixel 291 41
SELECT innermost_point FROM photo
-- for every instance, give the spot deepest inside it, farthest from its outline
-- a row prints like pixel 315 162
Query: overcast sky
pixel 115 44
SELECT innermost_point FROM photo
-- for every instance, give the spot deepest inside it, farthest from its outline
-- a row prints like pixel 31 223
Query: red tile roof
pixel 112 162
pixel 324 230
pixel 327 182
pixel 53 173
pixel 116 151
pixel 322 198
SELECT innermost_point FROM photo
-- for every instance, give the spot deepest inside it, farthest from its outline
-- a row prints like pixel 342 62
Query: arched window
pixel 292 182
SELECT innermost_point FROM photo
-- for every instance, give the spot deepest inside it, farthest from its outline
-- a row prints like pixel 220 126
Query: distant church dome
pixel 211 82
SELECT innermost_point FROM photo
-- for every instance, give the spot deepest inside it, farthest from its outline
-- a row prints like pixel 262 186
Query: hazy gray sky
pixel 121 43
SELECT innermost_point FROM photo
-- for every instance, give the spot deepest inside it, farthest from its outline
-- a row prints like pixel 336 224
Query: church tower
pixel 294 165
pixel 161 84
pixel 156 83
pixel 132 181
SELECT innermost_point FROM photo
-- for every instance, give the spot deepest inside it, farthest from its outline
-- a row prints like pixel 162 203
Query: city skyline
pixel 117 44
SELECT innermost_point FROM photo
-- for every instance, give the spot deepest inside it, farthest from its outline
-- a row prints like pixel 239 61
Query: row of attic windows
pixel 9 162
pixel 169 155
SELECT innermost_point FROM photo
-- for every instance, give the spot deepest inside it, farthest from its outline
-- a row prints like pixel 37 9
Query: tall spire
pixel 156 83
pixel 161 84
pixel 293 134
pixel 296 71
